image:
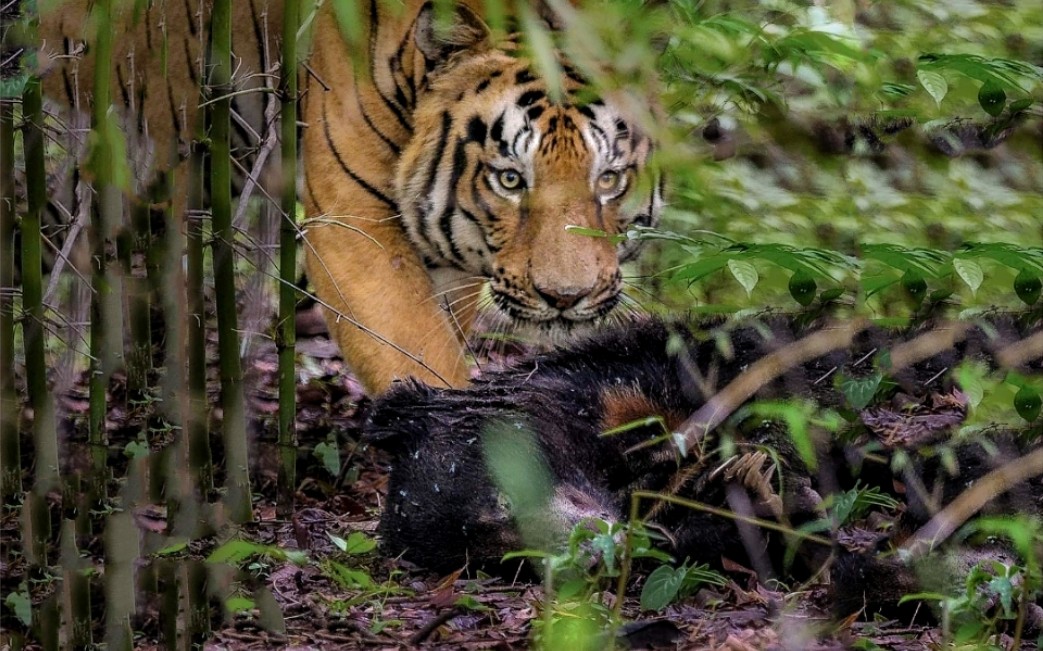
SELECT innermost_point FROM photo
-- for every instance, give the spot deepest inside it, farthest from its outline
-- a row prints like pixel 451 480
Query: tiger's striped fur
pixel 443 162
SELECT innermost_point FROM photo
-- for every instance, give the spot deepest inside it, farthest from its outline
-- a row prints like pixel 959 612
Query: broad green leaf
pixel 915 285
pixel 1027 403
pixel 992 98
pixel 22 606
pixel 468 602
pixel 346 576
pixel 239 604
pixel 170 550
pixel 359 543
pixel 661 587
pixel 969 377
pixel 700 268
pixel 1020 105
pixel 830 294
pixel 859 392
pixel 802 287
pixel 605 543
pixel 1027 286
pixel 235 551
pixel 1004 588
pixel 136 450
pixel 934 83
pixel 329 455
pixel 745 273
pixel 969 271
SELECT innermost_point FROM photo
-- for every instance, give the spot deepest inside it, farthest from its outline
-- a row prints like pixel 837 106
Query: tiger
pixel 435 159
pixel 445 162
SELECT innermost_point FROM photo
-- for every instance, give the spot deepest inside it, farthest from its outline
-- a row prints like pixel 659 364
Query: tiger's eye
pixel 608 181
pixel 509 179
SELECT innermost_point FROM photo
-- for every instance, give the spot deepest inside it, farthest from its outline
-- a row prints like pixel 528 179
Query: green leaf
pixel 356 543
pixel 969 271
pixel 830 294
pixel 701 267
pixel 235 551
pixel 594 232
pixel 1027 403
pixel 802 287
pixel 468 602
pixel 348 577
pixel 934 83
pixel 637 424
pixel 969 377
pixel 661 587
pixel 13 87
pixel 605 543
pixel 239 604
pixel 1020 105
pixel 1004 587
pixel 170 550
pixel 22 606
pixel 859 392
pixel 992 98
pixel 915 285
pixel 136 450
pixel 745 273
pixel 329 455
pixel 1027 286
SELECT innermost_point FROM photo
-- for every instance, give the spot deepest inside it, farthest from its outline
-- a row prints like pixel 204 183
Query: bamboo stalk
pixel 237 473
pixel 76 588
pixel 196 422
pixel 44 431
pixel 136 246
pixel 104 209
pixel 10 452
pixel 286 334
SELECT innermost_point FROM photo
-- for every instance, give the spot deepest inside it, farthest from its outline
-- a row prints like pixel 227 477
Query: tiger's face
pixel 497 172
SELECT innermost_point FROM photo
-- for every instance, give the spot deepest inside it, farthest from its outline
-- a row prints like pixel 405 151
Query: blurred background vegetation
pixel 883 156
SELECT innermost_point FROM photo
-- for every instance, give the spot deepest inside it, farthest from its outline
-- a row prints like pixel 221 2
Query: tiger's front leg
pixel 380 304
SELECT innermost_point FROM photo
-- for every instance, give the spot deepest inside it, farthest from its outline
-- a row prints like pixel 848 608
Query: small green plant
pixel 666 584
pixel 988 598
pixel 991 596
pixel 847 506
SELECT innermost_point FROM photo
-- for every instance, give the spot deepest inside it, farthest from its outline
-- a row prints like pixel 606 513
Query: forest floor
pixel 337 599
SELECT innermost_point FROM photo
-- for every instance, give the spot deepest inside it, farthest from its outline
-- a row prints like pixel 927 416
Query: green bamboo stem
pixel 76 588
pixel 44 431
pixel 237 481
pixel 135 245
pixel 196 602
pixel 200 457
pixel 103 212
pixel 10 452
pixel 286 335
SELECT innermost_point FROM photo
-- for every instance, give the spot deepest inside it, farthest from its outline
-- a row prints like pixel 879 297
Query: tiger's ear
pixel 438 41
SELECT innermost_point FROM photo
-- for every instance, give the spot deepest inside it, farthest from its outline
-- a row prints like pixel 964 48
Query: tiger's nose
pixel 562 297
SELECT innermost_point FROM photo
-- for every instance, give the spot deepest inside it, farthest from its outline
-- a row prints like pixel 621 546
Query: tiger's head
pixel 497 171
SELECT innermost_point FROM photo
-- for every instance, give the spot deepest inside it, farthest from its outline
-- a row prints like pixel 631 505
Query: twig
pixel 718 408
pixel 432 626
pixel 970 501
pixel 1021 352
